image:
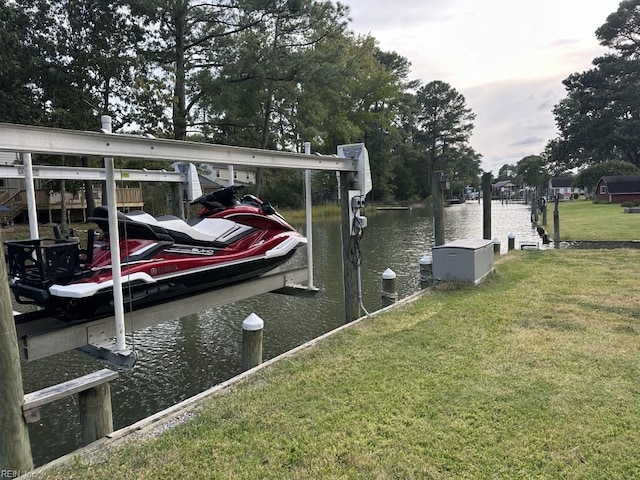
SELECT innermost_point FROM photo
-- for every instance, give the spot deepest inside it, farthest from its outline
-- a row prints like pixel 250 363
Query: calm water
pixel 181 358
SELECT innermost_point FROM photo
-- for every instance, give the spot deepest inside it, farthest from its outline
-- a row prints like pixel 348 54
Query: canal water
pixel 180 358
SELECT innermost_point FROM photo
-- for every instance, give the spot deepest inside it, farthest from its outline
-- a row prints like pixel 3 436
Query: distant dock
pixel 393 207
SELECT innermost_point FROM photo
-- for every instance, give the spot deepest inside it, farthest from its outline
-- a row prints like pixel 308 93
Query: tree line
pixel 599 119
pixel 268 74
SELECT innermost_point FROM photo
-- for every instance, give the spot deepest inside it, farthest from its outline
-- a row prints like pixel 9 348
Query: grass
pixel 532 374
pixel 20 231
pixel 587 221
pixel 320 212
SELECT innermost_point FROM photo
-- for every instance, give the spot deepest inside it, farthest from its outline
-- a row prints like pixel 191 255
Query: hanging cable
pixel 354 250
pixel 357 233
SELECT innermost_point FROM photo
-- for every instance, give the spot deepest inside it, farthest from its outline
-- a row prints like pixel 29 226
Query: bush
pixel 630 203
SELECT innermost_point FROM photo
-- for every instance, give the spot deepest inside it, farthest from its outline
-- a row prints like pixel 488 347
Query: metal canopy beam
pixel 89 173
pixel 45 337
pixel 55 141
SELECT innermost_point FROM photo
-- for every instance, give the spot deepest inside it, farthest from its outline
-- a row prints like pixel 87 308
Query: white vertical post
pixel 496 245
pixel 252 328
pixel 307 207
pixel 231 175
pixel 114 244
pixel 31 196
pixel 389 291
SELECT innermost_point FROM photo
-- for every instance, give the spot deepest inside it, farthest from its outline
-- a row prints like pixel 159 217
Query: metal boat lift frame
pixel 42 140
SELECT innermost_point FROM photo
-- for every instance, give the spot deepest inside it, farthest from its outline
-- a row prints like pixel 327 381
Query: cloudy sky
pixel 507 57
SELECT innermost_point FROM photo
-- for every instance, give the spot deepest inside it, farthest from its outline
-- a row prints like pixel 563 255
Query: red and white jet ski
pixel 162 257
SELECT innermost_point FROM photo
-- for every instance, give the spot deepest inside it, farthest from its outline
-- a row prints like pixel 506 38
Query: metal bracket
pixel 121 359
pixel 300 291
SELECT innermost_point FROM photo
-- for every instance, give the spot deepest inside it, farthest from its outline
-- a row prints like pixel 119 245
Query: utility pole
pixel 15 449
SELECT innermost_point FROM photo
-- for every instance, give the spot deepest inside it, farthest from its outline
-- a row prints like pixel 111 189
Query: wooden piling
pixel 511 241
pixel 486 205
pixel 94 394
pixel 349 266
pixel 15 449
pixel 252 328
pixel 438 209
pixel 96 417
pixel 556 226
pixel 389 291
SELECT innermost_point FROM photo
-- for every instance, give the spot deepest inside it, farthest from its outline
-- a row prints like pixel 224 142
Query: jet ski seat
pixel 185 233
pixel 144 217
pixel 130 226
pixel 211 232
pixel 217 232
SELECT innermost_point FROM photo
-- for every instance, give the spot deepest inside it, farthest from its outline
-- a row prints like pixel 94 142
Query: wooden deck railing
pixel 45 199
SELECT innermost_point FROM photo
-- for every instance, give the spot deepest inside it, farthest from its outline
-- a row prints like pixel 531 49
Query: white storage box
pixel 467 260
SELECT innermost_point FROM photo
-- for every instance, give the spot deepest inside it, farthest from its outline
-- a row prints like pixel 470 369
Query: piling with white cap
pixel 389 292
pixel 496 245
pixel 252 328
pixel 511 241
pixel 426 271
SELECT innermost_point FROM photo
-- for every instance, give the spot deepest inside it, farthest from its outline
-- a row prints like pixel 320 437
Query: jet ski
pixel 162 257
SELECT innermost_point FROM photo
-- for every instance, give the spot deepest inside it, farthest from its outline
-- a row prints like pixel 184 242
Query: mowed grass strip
pixel 532 374
pixel 588 221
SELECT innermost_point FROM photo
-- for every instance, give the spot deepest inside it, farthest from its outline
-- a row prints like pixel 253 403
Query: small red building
pixel 618 188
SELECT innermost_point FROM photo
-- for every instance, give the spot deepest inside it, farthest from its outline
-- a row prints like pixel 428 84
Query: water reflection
pixel 181 358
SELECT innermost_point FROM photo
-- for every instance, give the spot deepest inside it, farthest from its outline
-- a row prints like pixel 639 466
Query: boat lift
pixel 42 338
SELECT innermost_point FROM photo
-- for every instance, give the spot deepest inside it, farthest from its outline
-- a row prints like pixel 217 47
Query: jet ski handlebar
pixel 225 197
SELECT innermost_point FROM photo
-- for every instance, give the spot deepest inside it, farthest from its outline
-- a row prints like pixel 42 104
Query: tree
pixel 255 99
pixel 87 54
pixel 507 172
pixel 463 168
pixel 187 40
pixel 87 57
pixel 588 178
pixel 598 119
pixel 532 169
pixel 445 123
pixel 621 31
pixel 19 96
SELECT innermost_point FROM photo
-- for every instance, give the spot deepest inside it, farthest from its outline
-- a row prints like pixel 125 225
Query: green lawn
pixel 532 374
pixel 584 220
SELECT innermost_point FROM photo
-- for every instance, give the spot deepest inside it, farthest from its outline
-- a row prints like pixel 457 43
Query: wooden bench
pixel 94 395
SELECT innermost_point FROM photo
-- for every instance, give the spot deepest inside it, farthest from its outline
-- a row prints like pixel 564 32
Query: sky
pixel 507 57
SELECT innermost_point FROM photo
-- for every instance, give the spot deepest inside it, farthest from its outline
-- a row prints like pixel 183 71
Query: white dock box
pixel 468 260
